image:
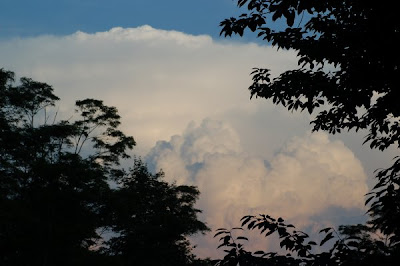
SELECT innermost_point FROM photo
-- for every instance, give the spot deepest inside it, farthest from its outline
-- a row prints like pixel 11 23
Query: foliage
pixel 338 33
pixel 55 192
pixel 347 77
pixel 354 245
pixel 50 195
pixel 152 219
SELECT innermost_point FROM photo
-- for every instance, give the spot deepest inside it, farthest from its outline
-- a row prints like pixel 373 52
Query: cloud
pixel 307 177
pixel 159 80
pixel 245 158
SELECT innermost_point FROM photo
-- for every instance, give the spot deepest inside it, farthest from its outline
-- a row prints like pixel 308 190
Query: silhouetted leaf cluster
pixel 348 76
pixel 353 245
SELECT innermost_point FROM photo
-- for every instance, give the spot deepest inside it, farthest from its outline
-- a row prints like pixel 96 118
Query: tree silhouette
pixel 55 193
pixel 51 194
pixel 152 220
pixel 347 77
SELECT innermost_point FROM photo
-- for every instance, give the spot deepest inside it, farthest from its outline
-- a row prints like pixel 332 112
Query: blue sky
pixel 60 17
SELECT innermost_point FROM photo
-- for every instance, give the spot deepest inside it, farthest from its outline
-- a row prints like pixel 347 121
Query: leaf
pixel 290 18
pixel 246 219
pixel 352 244
pixel 219 233
pixel 325 230
pixel 242 238
pixel 251 225
pixel 221 245
pixel 302 253
pixel 282 232
pixel 269 233
pixel 326 238
pixel 369 199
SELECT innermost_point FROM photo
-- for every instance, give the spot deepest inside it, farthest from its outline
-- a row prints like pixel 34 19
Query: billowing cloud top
pixel 144 34
pixel 308 176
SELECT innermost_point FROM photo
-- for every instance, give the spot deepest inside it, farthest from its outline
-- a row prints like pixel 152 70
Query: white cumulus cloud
pixel 309 175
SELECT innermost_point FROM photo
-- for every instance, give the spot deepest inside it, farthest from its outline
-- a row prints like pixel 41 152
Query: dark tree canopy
pixel 55 193
pixel 51 196
pixel 348 77
pixel 152 219
pixel 359 38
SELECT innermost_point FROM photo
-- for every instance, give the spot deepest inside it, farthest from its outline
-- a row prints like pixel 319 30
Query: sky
pixel 181 90
pixel 61 17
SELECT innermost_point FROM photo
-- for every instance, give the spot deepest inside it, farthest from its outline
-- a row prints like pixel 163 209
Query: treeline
pixel 65 200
